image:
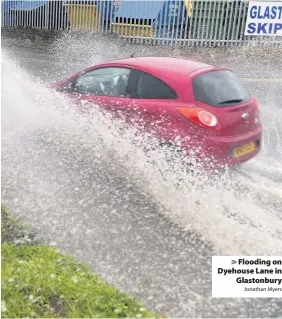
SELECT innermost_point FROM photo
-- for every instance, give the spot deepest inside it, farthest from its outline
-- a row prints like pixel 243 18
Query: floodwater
pixel 87 186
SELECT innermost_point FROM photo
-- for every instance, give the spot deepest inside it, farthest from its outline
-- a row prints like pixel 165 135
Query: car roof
pixel 173 64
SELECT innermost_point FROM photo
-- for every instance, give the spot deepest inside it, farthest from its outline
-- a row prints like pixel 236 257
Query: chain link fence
pixel 169 22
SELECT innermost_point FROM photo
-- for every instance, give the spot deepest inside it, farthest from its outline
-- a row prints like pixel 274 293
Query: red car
pixel 204 106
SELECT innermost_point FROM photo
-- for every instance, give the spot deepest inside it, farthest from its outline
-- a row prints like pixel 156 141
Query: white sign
pixel 264 18
pixel 247 277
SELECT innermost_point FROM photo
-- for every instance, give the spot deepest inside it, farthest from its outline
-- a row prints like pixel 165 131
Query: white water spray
pixel 235 214
pixel 52 152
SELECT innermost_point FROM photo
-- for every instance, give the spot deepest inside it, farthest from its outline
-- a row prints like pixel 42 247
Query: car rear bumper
pixel 219 150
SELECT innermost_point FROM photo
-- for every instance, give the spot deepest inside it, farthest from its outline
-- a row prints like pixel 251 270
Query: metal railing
pixel 170 22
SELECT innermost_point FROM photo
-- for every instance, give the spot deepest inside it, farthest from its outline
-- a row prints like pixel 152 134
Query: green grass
pixel 38 281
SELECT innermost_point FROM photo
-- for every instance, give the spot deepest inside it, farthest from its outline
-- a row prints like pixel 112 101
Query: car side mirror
pixel 66 87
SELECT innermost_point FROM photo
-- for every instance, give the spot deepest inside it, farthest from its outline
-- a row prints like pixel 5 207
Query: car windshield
pixel 219 89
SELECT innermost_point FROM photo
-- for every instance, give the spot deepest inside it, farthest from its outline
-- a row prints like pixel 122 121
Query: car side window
pixel 151 87
pixel 106 81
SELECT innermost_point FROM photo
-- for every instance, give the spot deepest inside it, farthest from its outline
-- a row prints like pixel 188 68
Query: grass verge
pixel 39 282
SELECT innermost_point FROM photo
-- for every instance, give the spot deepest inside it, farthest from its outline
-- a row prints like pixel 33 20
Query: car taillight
pixel 200 117
pixel 256 103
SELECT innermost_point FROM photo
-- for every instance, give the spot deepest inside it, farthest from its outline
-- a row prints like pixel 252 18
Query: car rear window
pixel 219 89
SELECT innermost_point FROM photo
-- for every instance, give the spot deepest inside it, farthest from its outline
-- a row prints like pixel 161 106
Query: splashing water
pixel 242 219
pixel 48 142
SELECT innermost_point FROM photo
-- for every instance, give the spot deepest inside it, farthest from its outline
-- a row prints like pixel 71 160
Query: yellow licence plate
pixel 243 150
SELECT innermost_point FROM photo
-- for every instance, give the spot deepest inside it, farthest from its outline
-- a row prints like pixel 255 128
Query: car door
pixel 105 87
pixel 155 101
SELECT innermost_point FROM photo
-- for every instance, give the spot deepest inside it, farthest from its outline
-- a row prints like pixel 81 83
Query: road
pixel 91 192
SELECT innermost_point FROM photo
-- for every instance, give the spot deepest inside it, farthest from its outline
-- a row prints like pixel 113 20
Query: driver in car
pixel 109 88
